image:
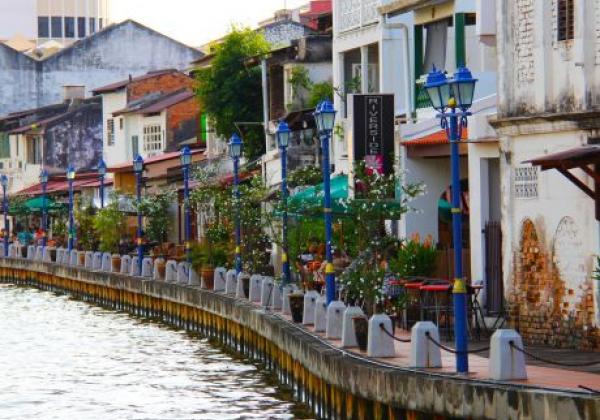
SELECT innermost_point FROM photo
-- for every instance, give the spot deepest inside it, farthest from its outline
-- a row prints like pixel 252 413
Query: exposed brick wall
pixel 183 122
pixel 543 307
pixel 165 83
pixel 524 40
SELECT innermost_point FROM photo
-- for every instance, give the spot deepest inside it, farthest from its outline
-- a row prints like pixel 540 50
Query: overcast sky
pixel 196 22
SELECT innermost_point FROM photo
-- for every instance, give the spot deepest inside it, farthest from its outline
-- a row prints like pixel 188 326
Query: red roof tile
pixel 123 83
pixel 439 137
pixel 123 167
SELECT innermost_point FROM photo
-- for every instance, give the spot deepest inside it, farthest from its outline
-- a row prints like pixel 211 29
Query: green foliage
pixel 84 212
pixel 208 255
pixel 305 175
pixel 59 229
pixel 302 233
pixel 155 208
pixel 301 83
pixel 231 92
pixel 319 92
pixel 109 223
pixel 415 258
pixel 597 270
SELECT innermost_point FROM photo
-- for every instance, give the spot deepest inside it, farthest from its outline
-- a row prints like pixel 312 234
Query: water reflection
pixel 64 359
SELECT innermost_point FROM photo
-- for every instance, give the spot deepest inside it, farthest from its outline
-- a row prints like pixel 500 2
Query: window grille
pixel 566 20
pixel 110 132
pixel 153 139
pixel 526 182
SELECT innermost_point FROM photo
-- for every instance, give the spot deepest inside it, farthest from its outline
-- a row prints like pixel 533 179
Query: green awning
pixel 36 204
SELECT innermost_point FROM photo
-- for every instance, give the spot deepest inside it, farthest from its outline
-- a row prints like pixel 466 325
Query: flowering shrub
pixel 415 258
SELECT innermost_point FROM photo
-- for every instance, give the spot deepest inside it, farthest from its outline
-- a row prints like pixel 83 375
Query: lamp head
pixel 438 89
pixel 325 116
pixel 71 173
pixel 283 135
pixel 43 176
pixel 235 146
pixel 138 164
pixel 186 156
pixel 102 168
pixel 463 86
pixel 4 181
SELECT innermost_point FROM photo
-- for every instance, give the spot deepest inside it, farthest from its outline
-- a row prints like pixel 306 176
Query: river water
pixel 64 359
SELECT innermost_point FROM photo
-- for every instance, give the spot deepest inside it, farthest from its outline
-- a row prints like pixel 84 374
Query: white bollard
pixel 183 273
pixel 134 267
pixel 39 253
pixel 97 261
pixel 506 362
pixel 89 260
pixel 379 343
pixel 423 353
pixel 115 263
pixel 59 255
pixel 310 302
pixel 73 256
pixel 219 279
pixel 147 267
pixel 125 264
pixel 194 278
pixel 171 271
pixel 231 282
pixel 46 254
pixel 321 314
pixel 277 300
pixel 255 287
pixel 156 274
pixel 12 251
pixel 266 292
pixel 335 317
pixel 66 258
pixel 288 289
pixel 106 262
pixel 2 250
pixel 30 252
pixel 348 334
pixel 240 293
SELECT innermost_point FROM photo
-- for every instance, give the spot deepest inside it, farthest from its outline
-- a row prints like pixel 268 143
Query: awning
pixel 586 158
pixel 36 205
pixel 311 198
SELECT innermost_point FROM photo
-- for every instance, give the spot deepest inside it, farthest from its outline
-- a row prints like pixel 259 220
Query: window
pixel 121 123
pixel 34 150
pixel 566 20
pixel 69 27
pixel 57 27
pixel 100 24
pixel 43 27
pixel 526 182
pixel 92 26
pixel 110 132
pixel 373 74
pixel 81 27
pixel 135 148
pixel 4 146
pixel 153 139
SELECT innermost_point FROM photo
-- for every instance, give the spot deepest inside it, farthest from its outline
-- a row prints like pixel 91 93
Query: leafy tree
pixel 84 219
pixel 230 92
pixel 110 224
pixel 155 208
pixel 319 92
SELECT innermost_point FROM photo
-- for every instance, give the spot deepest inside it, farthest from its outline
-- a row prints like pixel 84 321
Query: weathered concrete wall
pixel 336 383
pixel 110 55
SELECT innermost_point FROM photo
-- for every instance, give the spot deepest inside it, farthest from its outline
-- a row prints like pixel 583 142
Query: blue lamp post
pixel 102 175
pixel 70 179
pixel 186 160
pixel 283 139
pixel 138 168
pixel 325 119
pixel 4 181
pixel 235 151
pixel 44 182
pixel 452 99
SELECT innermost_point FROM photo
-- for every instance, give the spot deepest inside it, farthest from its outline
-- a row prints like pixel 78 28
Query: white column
pixel 364 69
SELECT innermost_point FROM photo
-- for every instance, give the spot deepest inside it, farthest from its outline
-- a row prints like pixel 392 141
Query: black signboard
pixel 373 131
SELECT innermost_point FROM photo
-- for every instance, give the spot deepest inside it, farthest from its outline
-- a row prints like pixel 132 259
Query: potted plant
pixel 361 330
pixel 116 262
pixel 205 257
pixel 297 306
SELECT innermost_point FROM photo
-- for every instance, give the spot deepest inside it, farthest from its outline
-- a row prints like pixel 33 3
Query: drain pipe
pixel 408 101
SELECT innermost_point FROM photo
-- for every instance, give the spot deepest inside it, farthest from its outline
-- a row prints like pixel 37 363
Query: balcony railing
pixel 357 13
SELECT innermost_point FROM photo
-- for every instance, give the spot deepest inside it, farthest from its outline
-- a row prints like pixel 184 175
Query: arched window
pixel 566 20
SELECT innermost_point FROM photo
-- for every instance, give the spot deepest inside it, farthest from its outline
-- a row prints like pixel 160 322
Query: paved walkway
pixel 539 375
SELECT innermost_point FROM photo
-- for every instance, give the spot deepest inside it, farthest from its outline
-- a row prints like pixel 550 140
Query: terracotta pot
pixel 53 255
pixel 246 286
pixel 297 306
pixel 361 329
pixel 208 276
pixel 162 269
pixel 116 264
pixel 81 259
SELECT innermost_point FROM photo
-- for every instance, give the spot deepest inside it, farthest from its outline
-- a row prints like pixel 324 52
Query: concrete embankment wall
pixel 334 383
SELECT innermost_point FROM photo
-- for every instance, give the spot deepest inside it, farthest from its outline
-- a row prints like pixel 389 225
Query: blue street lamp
pixel 235 152
pixel 102 175
pixel 4 181
pixel 70 179
pixel 325 119
pixel 44 182
pixel 454 94
pixel 138 168
pixel 186 161
pixel 283 140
